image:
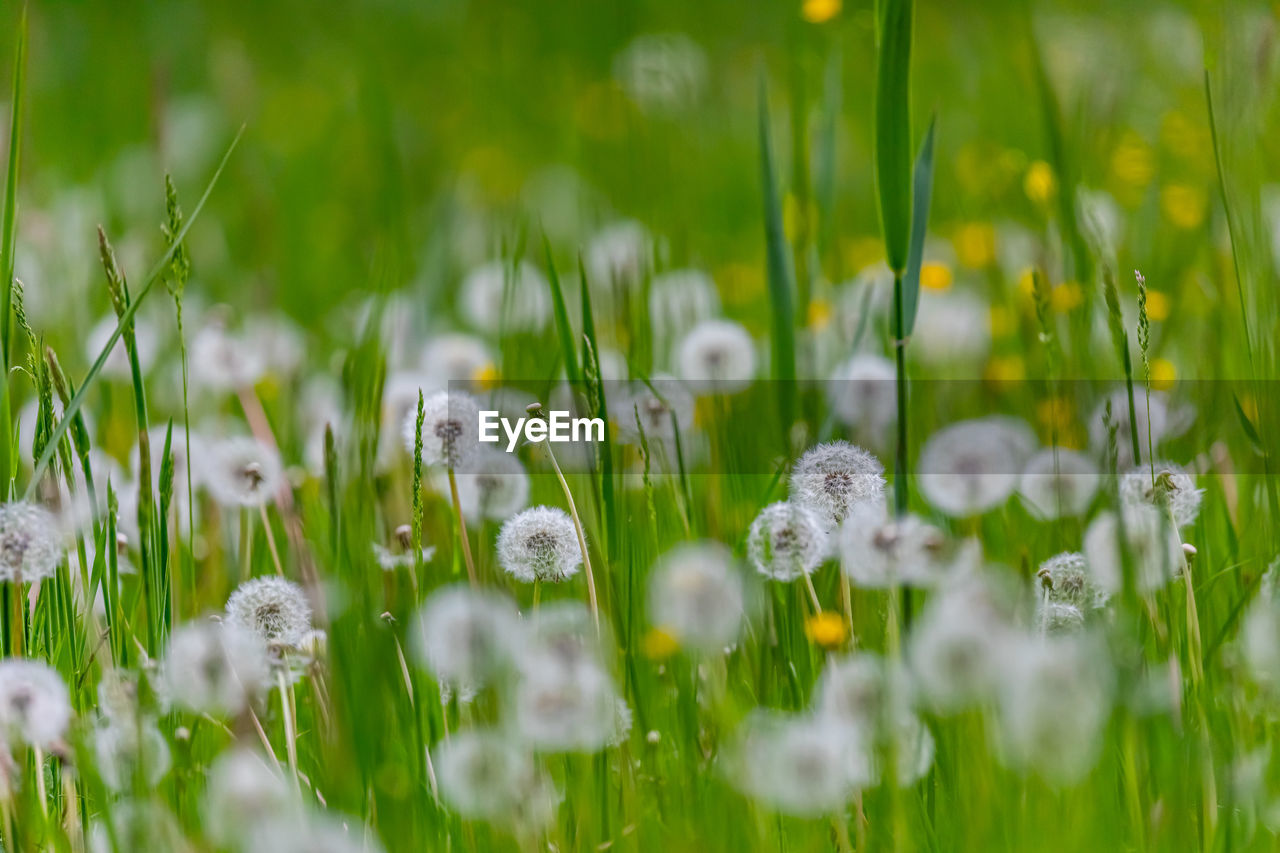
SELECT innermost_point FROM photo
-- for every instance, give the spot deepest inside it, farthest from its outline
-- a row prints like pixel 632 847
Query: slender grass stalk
pixel 462 529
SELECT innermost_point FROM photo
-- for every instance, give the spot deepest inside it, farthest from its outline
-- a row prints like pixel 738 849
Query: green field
pixel 924 354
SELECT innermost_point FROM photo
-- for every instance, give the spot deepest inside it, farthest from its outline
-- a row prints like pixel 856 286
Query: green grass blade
pixel 152 277
pixel 564 331
pixel 8 226
pixel 893 130
pixel 1232 225
pixel 781 285
pixel 922 189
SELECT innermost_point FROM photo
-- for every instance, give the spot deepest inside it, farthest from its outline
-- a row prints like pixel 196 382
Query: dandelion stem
pixel 287 711
pixel 462 528
pixel 582 539
pixel 271 540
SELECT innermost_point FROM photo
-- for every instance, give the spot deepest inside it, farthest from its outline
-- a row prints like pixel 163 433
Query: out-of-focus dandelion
pixel 127 749
pixel 877 551
pixel 242 472
pixel 308 833
pixel 35 708
pixel 213 668
pixel 863 395
pixel 717 356
pixel 494 485
pixel 243 791
pixel 1058 483
pixel 30 542
pixel 496 297
pixel 465 636
pixel 662 72
pixel 484 774
pixel 960 646
pixel 1148 537
pixel 971 467
pixel 620 254
pixel 680 300
pixel 696 597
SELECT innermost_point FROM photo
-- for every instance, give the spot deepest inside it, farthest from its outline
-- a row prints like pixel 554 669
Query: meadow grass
pixel 259 591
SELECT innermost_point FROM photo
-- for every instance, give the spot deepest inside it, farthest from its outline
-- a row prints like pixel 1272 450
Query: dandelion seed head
pixel 450 429
pixel 540 544
pixel 311 832
pixel 696 596
pixel 223 361
pixel 494 485
pixel 662 72
pixel 1148 536
pixel 960 646
pixel 799 764
pixel 566 709
pixel 486 775
pixel 619 254
pixel 679 300
pixel 127 749
pixel 31 544
pixel 717 356
pixel 831 479
pixel 242 472
pixel 214 668
pixel 971 467
pixel 496 298
pixel 35 707
pixel 272 607
pixel 243 791
pixel 786 541
pixel 863 395
pixel 662 409
pixel 1173 486
pixel 1055 617
pixel 465 636
pixel 1065 579
pixel 1058 483
pixel 1054 702
pixel 877 551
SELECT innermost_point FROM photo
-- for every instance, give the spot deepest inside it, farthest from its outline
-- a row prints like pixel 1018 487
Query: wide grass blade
pixel 921 190
pixel 157 270
pixel 8 242
pixel 893 130
pixel 564 331
pixel 781 276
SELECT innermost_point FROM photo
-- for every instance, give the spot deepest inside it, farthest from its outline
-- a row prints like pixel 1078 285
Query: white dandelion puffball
pixel 863 392
pixel 662 72
pixel 35 708
pixel 952 327
pixel 619 255
pixel 1260 640
pixel 214 668
pixel 1171 486
pixel 223 361
pixel 959 647
pixel 310 832
pixel 680 300
pixel 540 544
pixel 1055 700
pixel 242 472
pixel 272 607
pixel 484 774
pixel 1155 423
pixel 453 357
pixel 450 429
pixel 696 596
pixel 801 765
pixel 1056 618
pixel 496 297
pixel 1058 483
pixel 558 637
pixel 31 545
pixel 390 561
pixel 972 467
pixel 465 636
pixel 399 409
pixel 661 407
pixel 833 478
pixel 717 356
pixel 146 337
pixel 1065 579
pixel 863 690
pixel 243 790
pixel 494 485
pixel 878 551
pixel 127 747
pixel 1149 537
pixel 566 709
pixel 786 541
